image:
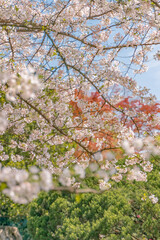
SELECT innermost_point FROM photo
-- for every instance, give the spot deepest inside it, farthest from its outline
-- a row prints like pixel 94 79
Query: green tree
pixel 126 211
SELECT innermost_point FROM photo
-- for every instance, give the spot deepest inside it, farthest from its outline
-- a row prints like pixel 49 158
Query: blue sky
pixel 151 78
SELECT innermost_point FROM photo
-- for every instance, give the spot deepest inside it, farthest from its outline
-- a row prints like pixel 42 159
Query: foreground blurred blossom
pixel 138 143
pixel 46 180
pixel 98 156
pixel 109 156
pixel 127 147
pixel 23 193
pixel 79 170
pixel 23 187
pixel 145 146
pixel 21 176
pixel 65 178
pixel 93 167
pixel 25 83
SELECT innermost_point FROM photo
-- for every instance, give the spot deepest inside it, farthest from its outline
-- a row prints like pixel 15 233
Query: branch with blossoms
pixel 69 103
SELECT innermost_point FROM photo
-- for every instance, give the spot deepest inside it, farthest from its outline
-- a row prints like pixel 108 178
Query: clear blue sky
pixel 151 79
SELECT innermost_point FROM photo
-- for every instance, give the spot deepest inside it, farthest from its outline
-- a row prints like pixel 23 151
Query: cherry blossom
pixel 69 101
pixel 153 198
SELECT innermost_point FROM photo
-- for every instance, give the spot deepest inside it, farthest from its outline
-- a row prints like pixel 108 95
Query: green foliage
pixel 120 213
pixel 12 214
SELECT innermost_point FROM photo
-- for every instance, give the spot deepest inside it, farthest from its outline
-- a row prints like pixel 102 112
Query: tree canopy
pixel 70 106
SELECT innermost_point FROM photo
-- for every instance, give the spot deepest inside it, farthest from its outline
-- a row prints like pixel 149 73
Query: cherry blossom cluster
pixel 23 186
pixel 3 121
pixel 25 83
pixel 87 111
pixel 145 145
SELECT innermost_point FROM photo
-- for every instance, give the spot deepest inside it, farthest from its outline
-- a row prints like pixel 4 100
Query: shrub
pixel 124 212
pixel 12 214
